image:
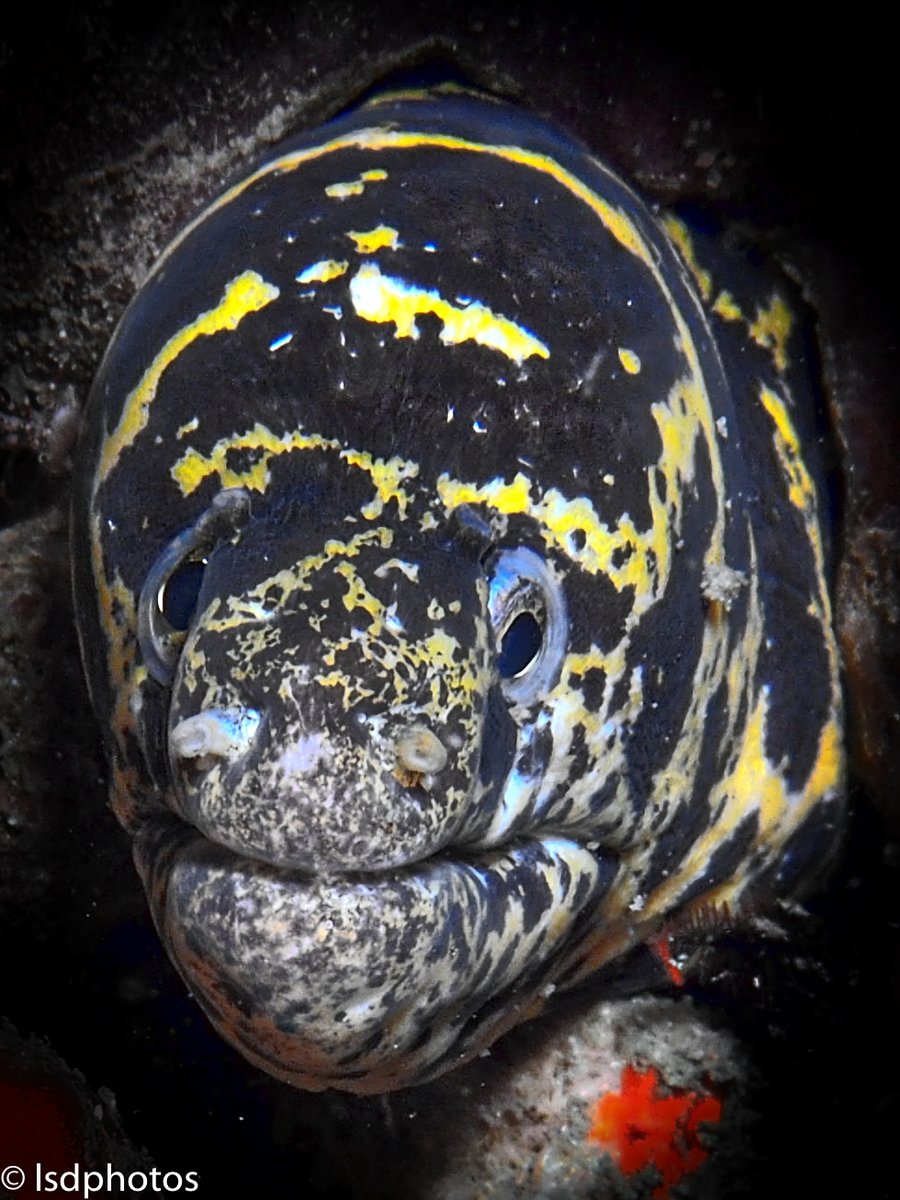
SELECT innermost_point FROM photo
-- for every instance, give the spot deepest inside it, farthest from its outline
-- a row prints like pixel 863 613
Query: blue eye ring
pixel 528 613
pixel 163 619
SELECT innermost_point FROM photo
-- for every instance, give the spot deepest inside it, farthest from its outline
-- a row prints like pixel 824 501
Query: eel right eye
pixel 178 597
pixel 171 590
pixel 167 605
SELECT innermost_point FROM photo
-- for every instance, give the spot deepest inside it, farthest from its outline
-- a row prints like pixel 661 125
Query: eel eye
pixel 178 596
pixel 171 589
pixel 167 604
pixel 528 613
pixel 519 645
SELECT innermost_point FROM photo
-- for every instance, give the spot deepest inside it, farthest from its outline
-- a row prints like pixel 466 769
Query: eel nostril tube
pixel 420 752
pixel 219 732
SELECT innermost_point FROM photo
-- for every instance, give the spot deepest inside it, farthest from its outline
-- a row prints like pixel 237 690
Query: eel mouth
pixel 368 982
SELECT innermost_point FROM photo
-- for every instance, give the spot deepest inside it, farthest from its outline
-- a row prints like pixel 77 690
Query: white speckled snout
pixel 364 796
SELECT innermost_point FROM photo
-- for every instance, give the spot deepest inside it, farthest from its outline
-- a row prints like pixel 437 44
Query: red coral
pixel 640 1128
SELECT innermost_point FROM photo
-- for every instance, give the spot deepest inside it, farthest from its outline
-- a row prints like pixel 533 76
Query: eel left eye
pixel 531 625
pixel 520 645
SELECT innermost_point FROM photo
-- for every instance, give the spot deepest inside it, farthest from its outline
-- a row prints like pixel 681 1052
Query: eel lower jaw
pixel 368 982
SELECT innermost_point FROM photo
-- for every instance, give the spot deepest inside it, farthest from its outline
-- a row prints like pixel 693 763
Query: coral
pixel 640 1128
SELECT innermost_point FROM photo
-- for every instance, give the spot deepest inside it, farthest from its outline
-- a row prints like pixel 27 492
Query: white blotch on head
pixel 304 756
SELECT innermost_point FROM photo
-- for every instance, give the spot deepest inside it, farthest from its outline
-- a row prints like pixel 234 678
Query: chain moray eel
pixel 451 586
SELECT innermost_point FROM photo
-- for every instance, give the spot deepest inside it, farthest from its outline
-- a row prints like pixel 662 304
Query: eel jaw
pixel 367 983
